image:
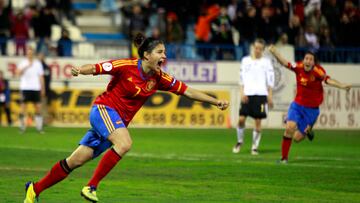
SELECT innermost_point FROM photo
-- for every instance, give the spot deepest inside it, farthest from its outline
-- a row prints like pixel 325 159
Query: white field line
pixel 203 157
pixel 195 157
pixel 324 158
pixel 16 168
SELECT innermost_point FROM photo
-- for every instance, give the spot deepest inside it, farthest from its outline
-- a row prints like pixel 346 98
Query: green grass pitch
pixel 189 165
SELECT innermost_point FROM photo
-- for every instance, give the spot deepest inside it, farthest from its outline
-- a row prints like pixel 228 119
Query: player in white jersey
pixel 256 83
pixel 31 74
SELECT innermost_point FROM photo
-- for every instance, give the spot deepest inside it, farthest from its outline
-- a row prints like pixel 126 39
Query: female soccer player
pixel 257 81
pixel 133 81
pixel 304 110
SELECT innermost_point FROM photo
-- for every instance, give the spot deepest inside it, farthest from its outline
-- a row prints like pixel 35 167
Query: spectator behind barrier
pixel 5 99
pixel 64 47
pixel 4 25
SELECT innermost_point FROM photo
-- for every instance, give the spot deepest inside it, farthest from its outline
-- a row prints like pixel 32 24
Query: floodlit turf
pixel 173 165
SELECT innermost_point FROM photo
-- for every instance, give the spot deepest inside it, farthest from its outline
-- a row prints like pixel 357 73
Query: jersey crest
pixel 150 85
pixel 303 81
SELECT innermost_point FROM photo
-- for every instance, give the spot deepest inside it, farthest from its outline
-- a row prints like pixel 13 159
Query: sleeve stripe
pixel 121 65
pixel 166 78
pixel 179 88
pixel 100 68
pixel 319 71
pixel 124 60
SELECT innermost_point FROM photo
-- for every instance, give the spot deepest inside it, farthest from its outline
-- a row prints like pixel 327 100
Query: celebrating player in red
pixel 133 81
pixel 304 110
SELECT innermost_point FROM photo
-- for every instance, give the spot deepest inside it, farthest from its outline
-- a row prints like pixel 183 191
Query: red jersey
pixel 309 89
pixel 130 87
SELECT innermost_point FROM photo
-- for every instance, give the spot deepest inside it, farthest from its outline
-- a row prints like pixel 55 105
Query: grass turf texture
pixel 189 165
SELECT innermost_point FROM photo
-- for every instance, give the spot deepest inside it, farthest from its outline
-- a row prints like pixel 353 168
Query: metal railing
pixel 333 55
pixel 228 52
pixel 208 52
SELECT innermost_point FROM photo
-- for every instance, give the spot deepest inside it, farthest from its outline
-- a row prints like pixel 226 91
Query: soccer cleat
pixel 237 148
pixel 310 134
pixel 282 161
pixel 254 152
pixel 30 195
pixel 89 193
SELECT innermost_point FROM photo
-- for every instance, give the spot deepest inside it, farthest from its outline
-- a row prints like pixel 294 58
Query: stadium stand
pixel 328 27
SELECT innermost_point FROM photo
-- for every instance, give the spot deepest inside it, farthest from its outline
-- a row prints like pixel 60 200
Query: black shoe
pixel 310 134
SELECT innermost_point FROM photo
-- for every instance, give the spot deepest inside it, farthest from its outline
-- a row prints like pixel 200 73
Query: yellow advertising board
pixel 164 109
pixel 70 107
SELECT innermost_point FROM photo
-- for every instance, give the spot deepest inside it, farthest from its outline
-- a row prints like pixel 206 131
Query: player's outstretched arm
pixel 87 69
pixel 335 83
pixel 196 95
pixel 278 56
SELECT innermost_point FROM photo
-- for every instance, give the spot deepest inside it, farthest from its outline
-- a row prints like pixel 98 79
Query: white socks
pixel 240 134
pixel 22 122
pixel 39 122
pixel 256 140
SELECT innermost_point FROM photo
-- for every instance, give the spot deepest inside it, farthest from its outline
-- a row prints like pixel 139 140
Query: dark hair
pixel 313 54
pixel 145 44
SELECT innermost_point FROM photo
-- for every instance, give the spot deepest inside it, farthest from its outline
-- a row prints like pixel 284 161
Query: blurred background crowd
pixel 227 26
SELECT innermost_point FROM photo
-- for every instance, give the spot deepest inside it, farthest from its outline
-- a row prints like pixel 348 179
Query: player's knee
pixel 241 123
pixel 127 146
pixel 290 128
pixel 123 147
pixel 296 140
pixel 298 137
pixel 289 131
pixel 75 162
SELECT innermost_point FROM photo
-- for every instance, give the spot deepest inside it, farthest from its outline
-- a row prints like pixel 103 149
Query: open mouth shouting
pixel 160 63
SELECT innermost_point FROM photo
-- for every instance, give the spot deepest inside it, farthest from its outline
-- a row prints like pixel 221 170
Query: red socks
pixel 108 161
pixel 57 173
pixel 285 147
pixel 61 170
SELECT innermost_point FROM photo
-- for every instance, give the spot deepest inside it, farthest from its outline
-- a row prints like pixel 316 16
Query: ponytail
pixel 144 44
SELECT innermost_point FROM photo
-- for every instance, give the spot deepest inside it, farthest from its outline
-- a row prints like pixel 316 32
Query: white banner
pixel 60 67
pixel 339 110
pixel 196 72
